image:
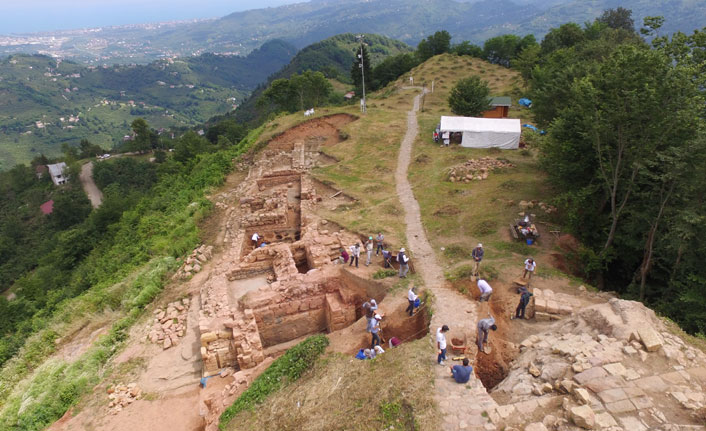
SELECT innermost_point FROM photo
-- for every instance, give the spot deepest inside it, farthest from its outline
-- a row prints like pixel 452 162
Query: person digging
pixel 484 326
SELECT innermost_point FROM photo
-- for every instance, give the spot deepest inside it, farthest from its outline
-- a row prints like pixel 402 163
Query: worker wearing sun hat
pixel 369 250
pixel 403 260
pixel 477 255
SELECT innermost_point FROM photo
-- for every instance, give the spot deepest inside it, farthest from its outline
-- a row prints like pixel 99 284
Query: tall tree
pixel 438 43
pixel 470 97
pixel 618 18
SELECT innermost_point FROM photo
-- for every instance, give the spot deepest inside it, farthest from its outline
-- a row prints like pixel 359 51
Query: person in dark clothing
pixel 462 374
pixel 344 256
pixel 525 296
pixel 387 255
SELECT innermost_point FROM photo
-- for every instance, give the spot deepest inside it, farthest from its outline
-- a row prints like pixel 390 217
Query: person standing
pixel 525 296
pixel 484 326
pixel 369 251
pixel 404 262
pixel 477 255
pixel 379 243
pixel 441 344
pixel 485 290
pixel 355 254
pixel 374 331
pixel 411 297
pixel 369 307
pixel 462 373
pixel 530 266
pixel 255 239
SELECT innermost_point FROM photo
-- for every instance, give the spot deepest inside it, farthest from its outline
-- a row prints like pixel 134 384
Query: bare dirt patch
pixel 321 131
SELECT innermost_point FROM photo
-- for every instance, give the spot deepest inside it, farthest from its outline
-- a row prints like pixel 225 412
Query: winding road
pixel 462 406
pixel 89 186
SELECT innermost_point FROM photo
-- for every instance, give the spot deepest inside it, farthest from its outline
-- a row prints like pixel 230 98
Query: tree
pixel 619 18
pixel 392 68
pixel 145 138
pixel 566 36
pixel 470 97
pixel 467 48
pixel 619 149
pixel 438 43
pixel 504 49
pixel 87 149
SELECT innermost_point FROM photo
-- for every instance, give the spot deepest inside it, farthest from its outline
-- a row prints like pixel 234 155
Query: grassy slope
pixel 458 215
pixel 342 393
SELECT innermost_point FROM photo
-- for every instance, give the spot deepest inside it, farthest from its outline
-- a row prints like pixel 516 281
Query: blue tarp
pixel 360 355
pixel 525 102
pixel 529 126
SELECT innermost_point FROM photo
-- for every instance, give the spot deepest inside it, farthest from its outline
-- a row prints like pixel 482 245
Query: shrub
pixel 456 251
pixel 384 273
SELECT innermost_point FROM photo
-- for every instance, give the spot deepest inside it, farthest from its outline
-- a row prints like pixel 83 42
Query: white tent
pixel 485 132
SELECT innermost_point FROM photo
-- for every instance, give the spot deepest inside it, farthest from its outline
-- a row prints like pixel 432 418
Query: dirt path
pixel 450 307
pixel 89 186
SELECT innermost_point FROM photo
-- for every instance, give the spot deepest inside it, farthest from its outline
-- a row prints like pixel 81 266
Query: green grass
pixel 284 370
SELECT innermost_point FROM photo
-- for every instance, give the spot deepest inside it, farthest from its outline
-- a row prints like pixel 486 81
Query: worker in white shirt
pixel 441 344
pixel 530 266
pixel 485 290
pixel 411 297
pixel 255 239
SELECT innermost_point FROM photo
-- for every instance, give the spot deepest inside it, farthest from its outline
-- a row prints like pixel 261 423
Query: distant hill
pixel 333 56
pixel 305 23
pixel 45 102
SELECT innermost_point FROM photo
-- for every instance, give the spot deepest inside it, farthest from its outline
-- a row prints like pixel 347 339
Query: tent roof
pixel 473 124
pixel 501 101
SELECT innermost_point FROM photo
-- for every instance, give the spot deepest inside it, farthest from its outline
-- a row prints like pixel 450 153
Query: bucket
pixel 530 241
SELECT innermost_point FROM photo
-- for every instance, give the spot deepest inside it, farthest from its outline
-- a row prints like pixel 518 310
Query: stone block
pixel 540 304
pixel 505 411
pixel 650 338
pixel 615 369
pixel 612 395
pixel 605 420
pixel 582 395
pixel 642 402
pixel 542 317
pixel 537 426
pixel 620 407
pixel 583 417
pixel 652 384
pixel 552 307
pixel 590 374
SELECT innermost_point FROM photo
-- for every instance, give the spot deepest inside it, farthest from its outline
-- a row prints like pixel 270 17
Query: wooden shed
pixel 500 107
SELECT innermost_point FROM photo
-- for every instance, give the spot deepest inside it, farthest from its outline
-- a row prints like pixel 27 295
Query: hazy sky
pixel 26 16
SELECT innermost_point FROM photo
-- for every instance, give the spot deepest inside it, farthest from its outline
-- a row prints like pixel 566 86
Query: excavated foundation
pixel 287 284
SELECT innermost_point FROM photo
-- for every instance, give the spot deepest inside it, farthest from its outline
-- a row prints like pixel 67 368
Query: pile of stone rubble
pixel 476 169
